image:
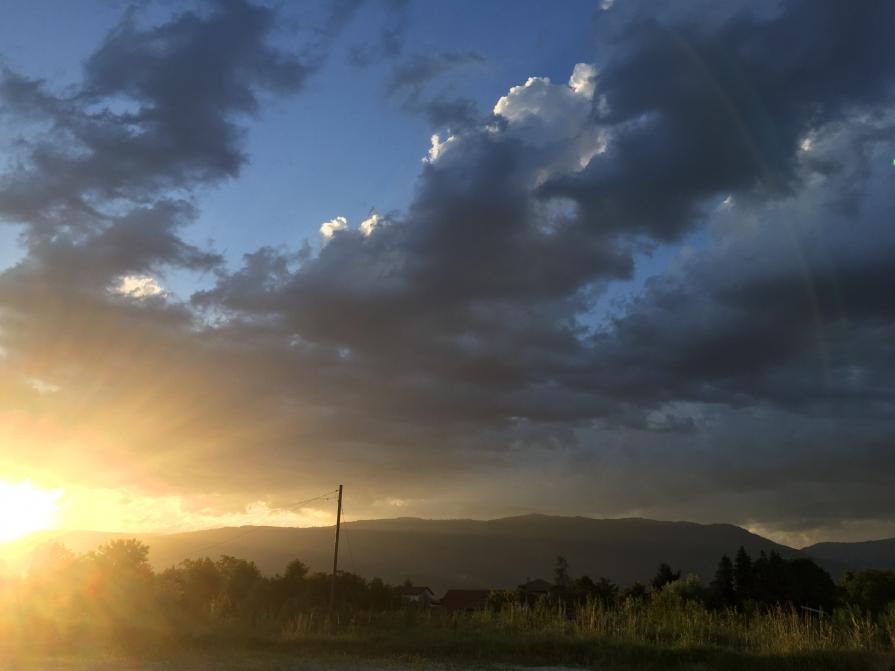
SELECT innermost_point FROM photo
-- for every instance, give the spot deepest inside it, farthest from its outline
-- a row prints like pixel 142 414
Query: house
pixel 465 599
pixel 419 595
pixel 535 588
pixel 532 591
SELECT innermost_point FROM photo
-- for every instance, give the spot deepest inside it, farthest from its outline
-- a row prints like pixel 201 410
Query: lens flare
pixel 25 509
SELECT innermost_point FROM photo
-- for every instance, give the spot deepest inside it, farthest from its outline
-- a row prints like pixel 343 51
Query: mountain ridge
pixel 462 553
pixel 872 554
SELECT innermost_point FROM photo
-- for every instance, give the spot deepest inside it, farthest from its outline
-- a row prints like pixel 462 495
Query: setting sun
pixel 25 508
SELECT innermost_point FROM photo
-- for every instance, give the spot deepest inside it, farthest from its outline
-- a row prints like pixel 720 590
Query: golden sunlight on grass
pixel 25 509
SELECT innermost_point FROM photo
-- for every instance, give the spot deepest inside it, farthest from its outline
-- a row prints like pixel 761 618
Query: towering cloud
pixel 467 337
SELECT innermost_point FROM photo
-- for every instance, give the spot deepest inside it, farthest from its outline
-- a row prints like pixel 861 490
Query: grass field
pixel 651 635
pixel 300 659
pixel 206 661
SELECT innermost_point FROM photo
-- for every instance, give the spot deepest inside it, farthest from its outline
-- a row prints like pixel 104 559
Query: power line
pixel 326 496
pixel 228 540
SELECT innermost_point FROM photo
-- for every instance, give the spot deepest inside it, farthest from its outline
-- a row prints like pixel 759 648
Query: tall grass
pixel 663 631
pixel 658 621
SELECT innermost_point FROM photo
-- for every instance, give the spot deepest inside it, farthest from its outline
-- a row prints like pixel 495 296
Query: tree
pixel 743 577
pixel 869 590
pixel 664 575
pixel 241 583
pixel 807 584
pixel 584 587
pixel 382 596
pixel 769 579
pixel 635 591
pixel 689 589
pixel 499 600
pixel 296 571
pixel 118 580
pixel 605 590
pixel 722 585
pixel 125 556
pixel 199 582
pixel 561 576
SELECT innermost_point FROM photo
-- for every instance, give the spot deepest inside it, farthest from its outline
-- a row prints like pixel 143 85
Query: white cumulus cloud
pixel 557 118
pixel 138 286
pixel 584 79
pixel 438 147
pixel 329 228
pixel 550 112
pixel 371 223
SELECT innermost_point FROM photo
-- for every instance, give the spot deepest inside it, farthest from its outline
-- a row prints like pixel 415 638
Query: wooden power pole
pixel 332 585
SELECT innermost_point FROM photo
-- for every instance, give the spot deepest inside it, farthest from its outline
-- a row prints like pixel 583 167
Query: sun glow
pixel 25 509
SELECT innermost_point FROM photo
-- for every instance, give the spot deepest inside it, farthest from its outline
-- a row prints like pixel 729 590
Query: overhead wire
pixel 326 496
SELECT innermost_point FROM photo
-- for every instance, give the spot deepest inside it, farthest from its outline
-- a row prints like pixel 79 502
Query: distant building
pixel 421 595
pixel 536 587
pixel 465 599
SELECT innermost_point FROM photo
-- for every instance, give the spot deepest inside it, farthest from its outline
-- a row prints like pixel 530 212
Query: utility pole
pixel 332 585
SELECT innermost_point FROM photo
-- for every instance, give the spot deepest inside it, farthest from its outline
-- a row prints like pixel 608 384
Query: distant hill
pixel 497 553
pixel 863 555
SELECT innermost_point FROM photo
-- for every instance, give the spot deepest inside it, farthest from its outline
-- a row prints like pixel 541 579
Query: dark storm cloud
pixel 456 113
pixel 702 112
pixel 482 283
pixel 796 312
pixel 140 241
pixel 461 296
pixel 156 111
pixel 464 336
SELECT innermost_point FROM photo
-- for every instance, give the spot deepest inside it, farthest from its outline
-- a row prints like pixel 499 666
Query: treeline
pixel 742 584
pixel 771 580
pixel 113 592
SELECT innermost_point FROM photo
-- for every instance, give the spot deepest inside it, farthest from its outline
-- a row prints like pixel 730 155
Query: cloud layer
pixel 458 355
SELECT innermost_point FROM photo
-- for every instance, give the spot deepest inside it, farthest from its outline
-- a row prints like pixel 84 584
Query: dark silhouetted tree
pixel 584 586
pixel 605 590
pixel 664 576
pixel 722 585
pixel 635 591
pixel 382 597
pixel 769 579
pixel 296 571
pixel 870 590
pixel 561 577
pixel 198 582
pixel 807 584
pixel 743 578
pixel 241 586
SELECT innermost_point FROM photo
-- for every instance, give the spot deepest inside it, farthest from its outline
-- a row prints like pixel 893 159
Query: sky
pixel 616 259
